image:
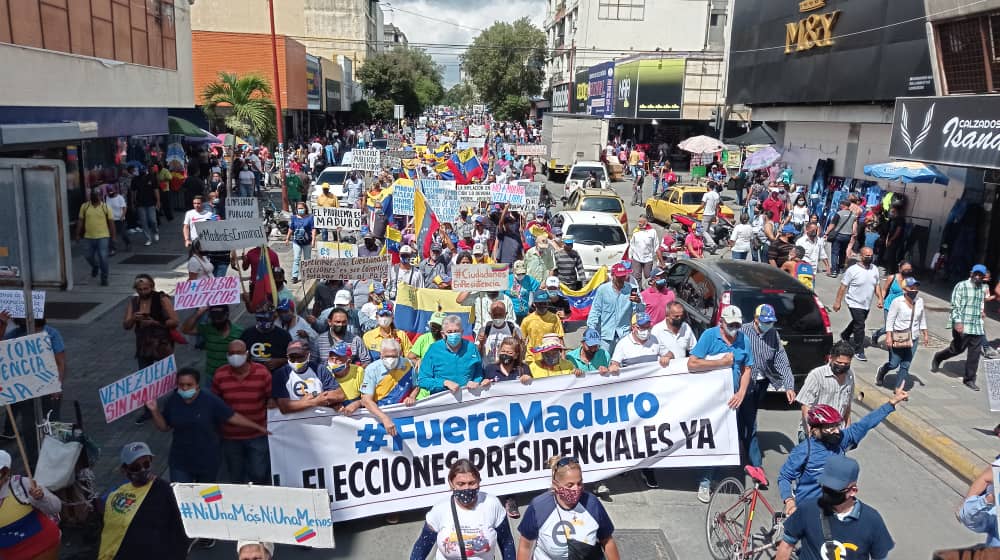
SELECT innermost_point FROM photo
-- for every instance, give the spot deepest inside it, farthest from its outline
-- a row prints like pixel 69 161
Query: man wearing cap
pixel 540 259
pixel 254 550
pixel 521 290
pixel 424 341
pixel 301 384
pixel 770 368
pixel 836 522
pixel 657 296
pixel 265 342
pixel 614 304
pixel 479 255
pixel 966 322
pixel 404 273
pixel 639 347
pixel 727 340
pixel 450 363
pixel 296 327
pixel 509 241
pixel 590 356
pixel 557 302
pixel 536 227
pixel 438 264
pixel 346 374
pixel 549 361
pixel 370 246
pixel 246 387
pixel 777 253
pixel 217 333
pixel 28 517
pixel 642 249
pixel 860 284
pixel 569 265
pixel 540 323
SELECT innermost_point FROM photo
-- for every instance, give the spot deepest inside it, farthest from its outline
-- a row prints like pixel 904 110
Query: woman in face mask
pixel 195 416
pixel 567 504
pixel 892 288
pixel 385 329
pixel 800 213
pixel 549 360
pixel 905 321
pixel 29 527
pixel 300 233
pixel 482 524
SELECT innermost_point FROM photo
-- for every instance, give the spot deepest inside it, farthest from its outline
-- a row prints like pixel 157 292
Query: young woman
pixel 893 288
pixel 741 238
pixel 800 213
pixel 482 524
pixel 693 244
pixel 555 511
pixel 198 264
pixel 300 232
pixel 906 317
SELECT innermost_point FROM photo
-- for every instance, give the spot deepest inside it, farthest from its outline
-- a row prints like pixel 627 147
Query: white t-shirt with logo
pixel 193 216
pixel 478 529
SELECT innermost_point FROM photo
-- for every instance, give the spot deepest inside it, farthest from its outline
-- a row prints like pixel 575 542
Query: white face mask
pixel 384 321
pixel 499 323
pixel 391 363
pixel 731 332
pixel 764 327
pixel 299 366
pixel 642 334
pixel 236 360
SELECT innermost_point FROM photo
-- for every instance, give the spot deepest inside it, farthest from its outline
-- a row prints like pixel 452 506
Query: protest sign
pixel 442 198
pixel 647 416
pixel 512 194
pixel 394 143
pixel 477 130
pixel 402 199
pixel 530 149
pixel 480 277
pixel 420 137
pixel 333 249
pixel 393 162
pixel 367 160
pixel 134 390
pixel 223 235
pixel 238 512
pixel 358 268
pixel 242 208
pixel 12 301
pixel 27 368
pixel 991 368
pixel 478 109
pixel 348 219
pixel 472 195
pixel 477 142
pixel 224 290
pixel 532 192
pixel 462 145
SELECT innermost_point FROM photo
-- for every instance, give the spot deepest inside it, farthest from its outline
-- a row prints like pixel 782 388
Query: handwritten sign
pixel 420 137
pixel 992 370
pixel 442 198
pixel 477 142
pixel 462 145
pixel 348 219
pixel 236 512
pixel 223 235
pixel 532 192
pixel 27 368
pixel 394 143
pixel 512 194
pixel 12 301
pixel 480 277
pixel 477 130
pixel 402 199
pixel 530 149
pixel 367 160
pixel 134 390
pixel 224 290
pixel 472 195
pixel 332 249
pixel 242 208
pixel 359 268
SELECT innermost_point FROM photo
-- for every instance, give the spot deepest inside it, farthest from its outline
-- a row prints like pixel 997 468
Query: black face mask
pixel 338 330
pixel 370 244
pixel 506 359
pixel 832 440
pixel 831 498
pixel 676 322
pixel 436 332
pixel 839 369
pixel 867 260
pixel 906 273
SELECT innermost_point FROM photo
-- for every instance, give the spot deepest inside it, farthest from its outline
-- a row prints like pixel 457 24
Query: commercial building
pixel 394 37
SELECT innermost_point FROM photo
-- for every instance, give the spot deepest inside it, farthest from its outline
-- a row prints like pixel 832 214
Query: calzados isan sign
pixel 949 130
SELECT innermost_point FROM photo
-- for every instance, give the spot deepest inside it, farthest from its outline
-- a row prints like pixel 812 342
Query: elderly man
pixel 639 347
pixel 674 333
pixel 254 550
pixel 246 387
pixel 299 385
pixel 614 304
pixel 450 363
pixel 540 260
pixel 386 381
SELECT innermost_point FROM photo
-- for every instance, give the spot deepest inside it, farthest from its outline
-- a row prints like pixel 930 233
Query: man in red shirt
pixel 774 206
pixel 245 386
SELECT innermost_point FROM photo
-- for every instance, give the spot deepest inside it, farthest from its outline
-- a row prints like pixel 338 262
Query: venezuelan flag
pixel 211 494
pixel 414 307
pixel 581 300
pixel 304 534
pixel 394 387
pixel 264 287
pixel 442 150
pixel 425 223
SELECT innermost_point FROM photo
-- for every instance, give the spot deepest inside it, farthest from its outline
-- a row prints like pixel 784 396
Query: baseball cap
pixel 406 249
pixel 911 282
pixel 480 219
pixel 340 349
pixel 789 228
pixel 732 314
pixel 657 271
pixel 437 318
pixel 285 304
pixel 979 269
pixel 478 249
pixel 641 320
pixel 4 460
pixel 383 313
pixel 343 297
pixel 556 231
pixel 619 270
pixel 551 282
pixel 765 313
pixel 540 212
pixel 269 547
pixel 520 267
pixel 435 246
pixel 591 337
pixel 568 239
pixel 376 288
pixel 130 453
pixel 549 342
pixel 839 472
pixel 542 296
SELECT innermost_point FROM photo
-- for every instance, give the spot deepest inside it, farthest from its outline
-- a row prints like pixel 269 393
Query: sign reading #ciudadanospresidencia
pixel 954 130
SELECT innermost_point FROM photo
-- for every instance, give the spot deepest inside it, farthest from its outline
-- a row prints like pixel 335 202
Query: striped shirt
pixel 821 387
pixel 359 352
pixel 967 308
pixel 569 266
pixel 247 396
pixel 769 358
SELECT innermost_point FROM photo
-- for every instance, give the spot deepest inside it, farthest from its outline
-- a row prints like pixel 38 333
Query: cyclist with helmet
pixel 826 438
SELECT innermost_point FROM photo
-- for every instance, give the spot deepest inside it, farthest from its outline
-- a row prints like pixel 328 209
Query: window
pixel 699 293
pixel 962 57
pixel 586 234
pixel 716 20
pixel 624 10
pixel 797 312
pixel 693 198
pixel 601 204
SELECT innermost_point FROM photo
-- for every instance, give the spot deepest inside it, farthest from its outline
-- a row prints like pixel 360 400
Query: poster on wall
pixel 581 92
pixel 661 88
pixel 626 88
pixel 600 89
pixel 560 98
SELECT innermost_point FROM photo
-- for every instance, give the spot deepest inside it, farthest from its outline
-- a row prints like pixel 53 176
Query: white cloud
pixel 475 14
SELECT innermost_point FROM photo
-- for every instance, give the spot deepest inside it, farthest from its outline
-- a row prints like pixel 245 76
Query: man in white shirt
pixel 116 202
pixel 815 248
pixel 639 347
pixel 860 283
pixel 405 272
pixel 198 214
pixel 642 249
pixel 710 204
pixel 674 334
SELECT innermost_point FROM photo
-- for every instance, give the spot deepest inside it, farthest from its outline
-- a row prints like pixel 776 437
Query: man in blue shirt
pixel 614 304
pixel 718 347
pixel 450 363
pixel 837 524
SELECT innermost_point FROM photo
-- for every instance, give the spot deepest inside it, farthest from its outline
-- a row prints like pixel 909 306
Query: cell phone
pixel 635 291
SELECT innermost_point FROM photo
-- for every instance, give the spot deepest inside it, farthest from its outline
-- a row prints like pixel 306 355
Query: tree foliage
pixel 248 100
pixel 461 94
pixel 507 61
pixel 401 76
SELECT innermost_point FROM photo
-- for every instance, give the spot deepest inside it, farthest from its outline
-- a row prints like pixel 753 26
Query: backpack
pixel 510 327
pixel 804 274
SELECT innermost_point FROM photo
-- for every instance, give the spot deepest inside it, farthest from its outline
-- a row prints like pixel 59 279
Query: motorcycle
pixel 719 230
pixel 273 218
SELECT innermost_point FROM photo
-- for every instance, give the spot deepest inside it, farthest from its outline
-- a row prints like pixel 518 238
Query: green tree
pixel 401 76
pixel 461 94
pixel 506 62
pixel 250 110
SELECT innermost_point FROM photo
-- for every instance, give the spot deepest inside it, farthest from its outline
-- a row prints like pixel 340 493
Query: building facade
pixel 394 37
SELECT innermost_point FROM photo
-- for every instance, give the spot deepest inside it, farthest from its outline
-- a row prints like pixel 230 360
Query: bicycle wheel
pixel 725 519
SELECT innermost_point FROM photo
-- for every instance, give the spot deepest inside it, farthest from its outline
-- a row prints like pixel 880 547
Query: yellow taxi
pixel 598 200
pixel 680 199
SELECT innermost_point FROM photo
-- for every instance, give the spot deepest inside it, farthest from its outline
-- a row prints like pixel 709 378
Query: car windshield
pixel 601 204
pixel 589 234
pixel 583 173
pixel 332 177
pixel 797 312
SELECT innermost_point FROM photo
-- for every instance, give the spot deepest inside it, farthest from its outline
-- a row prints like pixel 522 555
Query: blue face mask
pixel 661 283
pixel 187 394
pixel 453 338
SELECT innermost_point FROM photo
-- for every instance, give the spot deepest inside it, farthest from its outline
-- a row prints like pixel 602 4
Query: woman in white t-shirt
pixel 198 264
pixel 484 531
pixel 741 239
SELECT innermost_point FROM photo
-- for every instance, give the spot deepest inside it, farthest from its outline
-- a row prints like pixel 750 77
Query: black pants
pixel 856 329
pixel 971 344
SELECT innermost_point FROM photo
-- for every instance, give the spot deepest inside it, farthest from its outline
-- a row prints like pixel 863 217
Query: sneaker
pixel 990 353
pixel 602 488
pixel 295 279
pixel 860 356
pixel 971 385
pixel 511 506
pixel 704 493
pixel 649 477
pixel 935 365
pixel 148 243
pixel 880 375
pixel 156 237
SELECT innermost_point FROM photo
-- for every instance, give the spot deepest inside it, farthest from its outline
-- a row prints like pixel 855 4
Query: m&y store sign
pixel 815 30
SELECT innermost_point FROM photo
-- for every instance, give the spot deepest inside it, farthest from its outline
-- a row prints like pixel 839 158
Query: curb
pixel 958 459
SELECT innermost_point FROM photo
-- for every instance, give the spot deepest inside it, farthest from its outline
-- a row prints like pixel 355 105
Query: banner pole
pixel 20 442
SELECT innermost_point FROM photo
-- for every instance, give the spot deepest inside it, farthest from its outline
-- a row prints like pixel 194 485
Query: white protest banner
pixel 224 290
pixel 442 198
pixel 348 219
pixel 532 192
pixel 478 109
pixel 398 111
pixel 480 277
pixel 420 137
pixel 134 390
pixel 393 162
pixel 477 130
pixel 223 235
pixel 12 301
pixel 477 142
pixel 394 143
pixel 646 416
pixel 237 512
pixel 503 193
pixel 242 208
pixel 402 199
pixel 991 369
pixel 472 195
pixel 462 145
pixel 27 368
pixel 332 249
pixel 359 268
pixel 530 149
pixel 367 160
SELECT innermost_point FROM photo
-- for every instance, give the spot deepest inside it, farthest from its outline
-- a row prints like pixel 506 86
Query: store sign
pixel 661 88
pixel 332 96
pixel 813 31
pixel 600 89
pixel 626 88
pixel 560 98
pixel 581 92
pixel 314 79
pixel 961 130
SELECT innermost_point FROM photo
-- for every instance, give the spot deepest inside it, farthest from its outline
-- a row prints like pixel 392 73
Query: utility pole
pixel 279 156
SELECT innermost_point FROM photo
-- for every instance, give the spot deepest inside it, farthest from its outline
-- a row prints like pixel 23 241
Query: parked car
pixel 679 199
pixel 580 172
pixel 333 176
pixel 598 200
pixel 704 288
pixel 599 238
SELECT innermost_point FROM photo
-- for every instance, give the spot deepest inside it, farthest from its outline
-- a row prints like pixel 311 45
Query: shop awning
pixel 37 133
pixel 762 134
pixel 190 131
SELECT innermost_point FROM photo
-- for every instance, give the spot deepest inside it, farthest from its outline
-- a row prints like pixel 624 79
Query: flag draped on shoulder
pixel 425 223
pixel 581 300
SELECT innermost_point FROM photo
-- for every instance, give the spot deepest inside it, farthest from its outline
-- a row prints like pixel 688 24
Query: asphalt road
pixel 915 495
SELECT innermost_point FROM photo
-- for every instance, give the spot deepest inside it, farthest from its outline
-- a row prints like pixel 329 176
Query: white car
pixel 580 172
pixel 333 176
pixel 598 236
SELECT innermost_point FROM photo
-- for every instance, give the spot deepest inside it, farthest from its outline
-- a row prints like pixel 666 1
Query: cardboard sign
pixel 237 512
pixel 477 130
pixel 358 268
pixel 224 290
pixel 461 145
pixel 223 235
pixel 530 149
pixel 991 368
pixel 368 159
pixel 402 199
pixel 242 208
pixel 477 143
pixel 472 195
pixel 27 368
pixel 442 198
pixel 134 390
pixel 348 219
pixel 480 277
pixel 394 143
pixel 512 194
pixel 532 193
pixel 420 137
pixel 334 250
pixel 12 301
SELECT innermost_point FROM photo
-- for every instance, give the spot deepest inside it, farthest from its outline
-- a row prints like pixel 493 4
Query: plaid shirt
pixel 967 307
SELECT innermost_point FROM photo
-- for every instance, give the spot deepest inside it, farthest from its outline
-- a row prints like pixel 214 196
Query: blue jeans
pixel 247 460
pixel 746 421
pixel 246 190
pixel 220 270
pixel 901 358
pixel 760 255
pixel 739 255
pixel 838 252
pixel 181 475
pixel 299 252
pixel 146 216
pixel 97 254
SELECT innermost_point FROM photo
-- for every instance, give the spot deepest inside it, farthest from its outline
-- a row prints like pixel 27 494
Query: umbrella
pixel 190 131
pixel 762 134
pixel 231 139
pixel 701 145
pixel 761 158
pixel 907 172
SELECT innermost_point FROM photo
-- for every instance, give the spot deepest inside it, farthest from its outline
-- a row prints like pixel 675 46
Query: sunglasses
pixel 140 465
pixel 567 461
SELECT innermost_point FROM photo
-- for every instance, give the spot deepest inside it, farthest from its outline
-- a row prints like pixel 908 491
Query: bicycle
pixel 730 520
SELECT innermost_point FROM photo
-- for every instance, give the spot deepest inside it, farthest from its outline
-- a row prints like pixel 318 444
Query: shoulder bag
pixel 904 339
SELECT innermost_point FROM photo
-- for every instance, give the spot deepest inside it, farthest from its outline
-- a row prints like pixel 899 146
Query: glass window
pixel 699 293
pixel 583 173
pixel 332 177
pixel 587 234
pixel 624 10
pixel 693 197
pixel 601 204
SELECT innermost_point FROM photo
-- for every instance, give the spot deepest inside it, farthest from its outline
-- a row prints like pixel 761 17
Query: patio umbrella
pixel 762 158
pixel 701 145
pixel 190 131
pixel 231 139
pixel 907 172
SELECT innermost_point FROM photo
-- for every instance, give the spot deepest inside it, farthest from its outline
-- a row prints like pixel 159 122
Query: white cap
pixel 343 297
pixel 551 282
pixel 4 460
pixel 269 547
pixel 732 314
pixel 478 249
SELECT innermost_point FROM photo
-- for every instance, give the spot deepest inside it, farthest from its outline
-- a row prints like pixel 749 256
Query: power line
pixel 392 8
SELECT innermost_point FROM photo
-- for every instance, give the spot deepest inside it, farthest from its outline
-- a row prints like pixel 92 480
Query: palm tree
pixel 248 98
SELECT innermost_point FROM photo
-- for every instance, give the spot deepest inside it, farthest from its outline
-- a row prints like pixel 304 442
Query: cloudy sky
pixel 460 22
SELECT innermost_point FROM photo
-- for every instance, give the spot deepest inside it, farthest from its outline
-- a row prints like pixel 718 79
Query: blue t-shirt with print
pixel 196 438
pixel 862 534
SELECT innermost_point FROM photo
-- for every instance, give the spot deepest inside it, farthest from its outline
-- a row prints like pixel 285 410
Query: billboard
pixel 661 88
pixel 560 98
pixel 332 96
pixel 953 130
pixel 580 89
pixel 314 81
pixel 626 88
pixel 601 89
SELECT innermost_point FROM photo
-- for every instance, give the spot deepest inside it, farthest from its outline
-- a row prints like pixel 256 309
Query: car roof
pixel 580 216
pixel 589 164
pixel 689 188
pixel 336 168
pixel 748 275
pixel 599 192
